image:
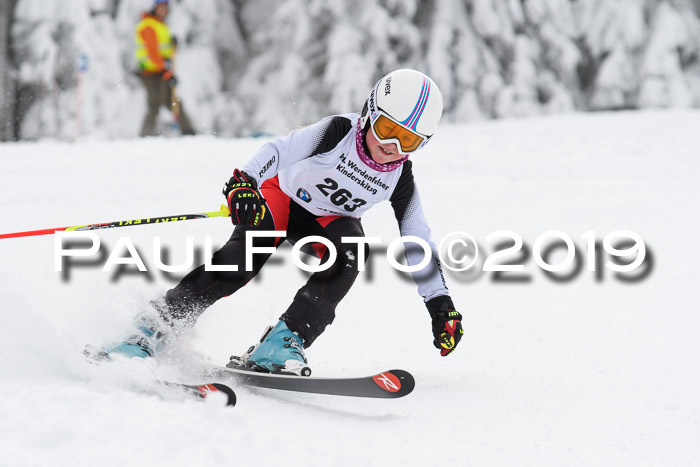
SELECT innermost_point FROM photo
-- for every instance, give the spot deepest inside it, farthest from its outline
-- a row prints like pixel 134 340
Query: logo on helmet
pixel 387 86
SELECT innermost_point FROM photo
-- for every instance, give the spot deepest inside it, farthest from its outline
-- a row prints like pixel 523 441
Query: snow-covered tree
pixel 7 113
pixel 271 65
pixel 68 69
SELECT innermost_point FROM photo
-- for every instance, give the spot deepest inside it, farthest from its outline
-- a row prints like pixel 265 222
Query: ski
pixel 390 384
pixel 204 390
pixel 96 357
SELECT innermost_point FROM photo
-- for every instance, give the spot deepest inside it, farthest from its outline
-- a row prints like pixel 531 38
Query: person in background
pixel 155 50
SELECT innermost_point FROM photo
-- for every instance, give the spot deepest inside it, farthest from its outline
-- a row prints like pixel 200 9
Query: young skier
pixel 319 180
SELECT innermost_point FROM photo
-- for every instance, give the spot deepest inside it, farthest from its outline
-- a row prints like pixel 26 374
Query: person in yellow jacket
pixel 155 49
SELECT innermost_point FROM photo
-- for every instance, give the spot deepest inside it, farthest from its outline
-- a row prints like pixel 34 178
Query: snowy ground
pixel 590 371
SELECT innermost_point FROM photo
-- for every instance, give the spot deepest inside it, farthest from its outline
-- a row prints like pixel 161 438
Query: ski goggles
pixel 388 130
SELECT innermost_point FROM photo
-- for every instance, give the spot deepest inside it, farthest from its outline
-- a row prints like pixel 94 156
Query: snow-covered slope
pixel 582 372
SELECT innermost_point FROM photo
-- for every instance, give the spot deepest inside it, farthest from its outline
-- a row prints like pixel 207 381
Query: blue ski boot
pixel 152 332
pixel 142 344
pixel 280 351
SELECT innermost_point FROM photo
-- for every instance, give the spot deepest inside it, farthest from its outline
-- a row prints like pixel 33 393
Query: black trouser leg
pixel 152 83
pixel 186 126
pixel 200 289
pixel 314 305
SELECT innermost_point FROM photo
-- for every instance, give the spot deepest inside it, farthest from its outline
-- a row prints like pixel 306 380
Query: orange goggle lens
pixel 385 128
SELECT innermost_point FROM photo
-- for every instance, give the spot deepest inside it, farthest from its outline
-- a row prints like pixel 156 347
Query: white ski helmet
pixel 404 107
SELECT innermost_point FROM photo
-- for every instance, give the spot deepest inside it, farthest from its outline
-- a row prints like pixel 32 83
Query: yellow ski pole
pixel 222 212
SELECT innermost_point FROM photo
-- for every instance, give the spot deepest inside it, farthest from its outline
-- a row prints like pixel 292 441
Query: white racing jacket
pixel 319 168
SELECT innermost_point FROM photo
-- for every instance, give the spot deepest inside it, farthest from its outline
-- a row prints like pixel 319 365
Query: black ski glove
pixel 168 75
pixel 170 78
pixel 244 200
pixel 447 324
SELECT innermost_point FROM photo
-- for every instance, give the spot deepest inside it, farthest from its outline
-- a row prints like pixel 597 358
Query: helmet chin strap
pixel 367 159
